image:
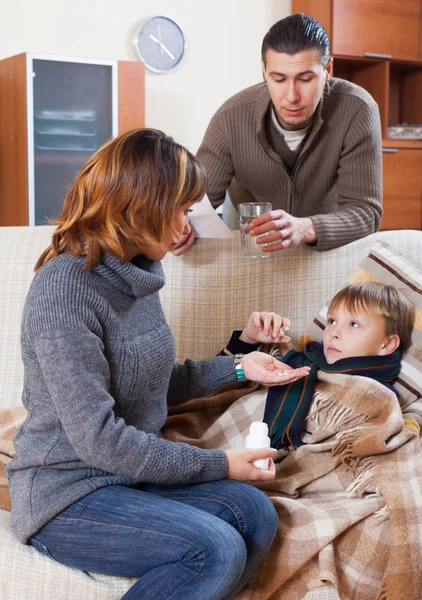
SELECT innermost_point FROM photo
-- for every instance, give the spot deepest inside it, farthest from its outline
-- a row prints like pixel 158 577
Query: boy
pixel 369 329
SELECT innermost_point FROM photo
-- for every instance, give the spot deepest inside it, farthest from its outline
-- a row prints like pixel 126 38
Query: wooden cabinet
pixel 390 28
pixel 377 44
pixel 402 181
pixel 384 27
pixel 55 112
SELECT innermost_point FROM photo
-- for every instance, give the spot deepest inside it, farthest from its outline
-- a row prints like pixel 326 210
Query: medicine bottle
pixel 258 438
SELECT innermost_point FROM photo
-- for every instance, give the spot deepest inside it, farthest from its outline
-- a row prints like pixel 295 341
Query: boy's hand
pixel 267 370
pixel 266 328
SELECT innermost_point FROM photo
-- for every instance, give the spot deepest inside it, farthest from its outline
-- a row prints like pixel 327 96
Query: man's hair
pixel 396 310
pixel 297 33
pixel 128 192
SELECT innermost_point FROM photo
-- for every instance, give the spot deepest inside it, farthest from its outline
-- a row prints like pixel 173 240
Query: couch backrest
pixel 209 291
pixel 212 290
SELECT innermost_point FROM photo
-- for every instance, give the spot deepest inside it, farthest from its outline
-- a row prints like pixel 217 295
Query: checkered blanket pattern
pixel 349 501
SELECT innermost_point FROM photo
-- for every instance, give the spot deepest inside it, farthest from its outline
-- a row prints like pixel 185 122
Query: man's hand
pixel 285 229
pixel 266 328
pixel 269 371
pixel 185 242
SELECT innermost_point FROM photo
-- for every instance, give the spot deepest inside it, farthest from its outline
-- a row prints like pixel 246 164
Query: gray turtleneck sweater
pixel 99 374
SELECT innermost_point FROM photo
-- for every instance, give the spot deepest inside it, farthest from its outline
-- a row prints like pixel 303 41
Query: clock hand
pixel 162 46
pixel 160 41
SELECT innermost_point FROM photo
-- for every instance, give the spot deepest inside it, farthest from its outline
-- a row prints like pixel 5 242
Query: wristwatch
pixel 238 365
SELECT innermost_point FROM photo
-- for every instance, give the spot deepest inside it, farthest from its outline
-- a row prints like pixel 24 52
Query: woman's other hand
pixel 240 464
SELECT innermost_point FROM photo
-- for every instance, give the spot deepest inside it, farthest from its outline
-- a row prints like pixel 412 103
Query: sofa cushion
pixel 10 420
pixel 385 264
pixel 20 248
pixel 24 573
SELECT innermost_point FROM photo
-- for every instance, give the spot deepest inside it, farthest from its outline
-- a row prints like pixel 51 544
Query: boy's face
pixel 355 334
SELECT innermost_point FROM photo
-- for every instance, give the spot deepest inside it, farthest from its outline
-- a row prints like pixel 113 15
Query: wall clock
pixel 160 44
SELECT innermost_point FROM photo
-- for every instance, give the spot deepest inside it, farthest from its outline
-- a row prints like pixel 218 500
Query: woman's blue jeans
pixel 195 542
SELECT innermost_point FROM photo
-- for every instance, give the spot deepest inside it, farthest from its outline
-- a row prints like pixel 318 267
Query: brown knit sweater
pixel 337 179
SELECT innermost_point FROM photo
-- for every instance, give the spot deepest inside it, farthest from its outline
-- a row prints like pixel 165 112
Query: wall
pixel 223 55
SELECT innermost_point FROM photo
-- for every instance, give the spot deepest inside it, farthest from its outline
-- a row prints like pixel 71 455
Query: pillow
pixel 386 265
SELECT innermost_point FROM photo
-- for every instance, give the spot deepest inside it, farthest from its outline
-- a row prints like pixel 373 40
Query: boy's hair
pixel 297 33
pixel 128 191
pixel 384 300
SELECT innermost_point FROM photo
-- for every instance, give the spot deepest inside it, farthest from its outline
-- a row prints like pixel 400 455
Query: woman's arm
pixel 196 378
pixel 76 376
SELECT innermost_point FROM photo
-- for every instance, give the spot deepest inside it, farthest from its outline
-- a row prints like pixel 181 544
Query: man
pixel 306 142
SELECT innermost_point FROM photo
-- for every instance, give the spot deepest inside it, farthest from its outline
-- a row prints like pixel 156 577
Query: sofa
pixel 209 291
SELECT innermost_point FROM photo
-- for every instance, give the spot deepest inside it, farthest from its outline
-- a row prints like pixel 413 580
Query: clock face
pixel 160 44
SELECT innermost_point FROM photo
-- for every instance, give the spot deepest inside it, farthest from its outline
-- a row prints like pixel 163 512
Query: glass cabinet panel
pixel 72 117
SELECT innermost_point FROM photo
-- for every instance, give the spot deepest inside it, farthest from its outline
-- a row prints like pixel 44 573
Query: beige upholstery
pixel 208 292
pixel 217 288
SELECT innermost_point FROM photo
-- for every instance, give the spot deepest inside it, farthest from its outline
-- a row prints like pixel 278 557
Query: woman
pixel 93 484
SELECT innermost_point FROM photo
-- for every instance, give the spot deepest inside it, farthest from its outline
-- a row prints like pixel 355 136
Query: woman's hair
pixel 127 193
pixel 384 300
pixel 297 33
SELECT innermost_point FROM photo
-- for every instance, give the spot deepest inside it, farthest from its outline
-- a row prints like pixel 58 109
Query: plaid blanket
pixel 349 501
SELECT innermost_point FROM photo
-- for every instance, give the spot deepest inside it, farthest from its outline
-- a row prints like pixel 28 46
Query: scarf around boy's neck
pixel 287 406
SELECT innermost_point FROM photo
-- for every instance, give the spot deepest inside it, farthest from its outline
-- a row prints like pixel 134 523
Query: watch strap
pixel 238 365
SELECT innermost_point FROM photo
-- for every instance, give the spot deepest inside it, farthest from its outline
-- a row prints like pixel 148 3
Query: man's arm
pixel 354 203
pixel 214 155
pixel 357 192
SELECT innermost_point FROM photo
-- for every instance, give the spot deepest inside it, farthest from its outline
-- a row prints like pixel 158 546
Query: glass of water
pixel 247 212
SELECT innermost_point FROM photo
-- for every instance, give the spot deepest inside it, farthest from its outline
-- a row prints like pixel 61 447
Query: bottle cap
pixel 258 428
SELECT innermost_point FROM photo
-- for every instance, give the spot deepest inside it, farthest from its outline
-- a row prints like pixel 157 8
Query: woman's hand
pixel 185 242
pixel 240 464
pixel 266 369
pixel 266 328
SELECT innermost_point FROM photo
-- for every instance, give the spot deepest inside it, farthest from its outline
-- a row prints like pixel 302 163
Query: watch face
pixel 160 44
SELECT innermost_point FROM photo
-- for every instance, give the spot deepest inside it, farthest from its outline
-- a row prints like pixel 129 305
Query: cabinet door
pixel 402 180
pixel 387 27
pixel 72 117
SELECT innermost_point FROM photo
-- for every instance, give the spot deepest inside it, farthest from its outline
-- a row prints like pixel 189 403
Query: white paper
pixel 206 222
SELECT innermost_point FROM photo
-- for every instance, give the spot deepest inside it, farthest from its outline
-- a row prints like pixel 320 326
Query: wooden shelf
pixel 60 156
pixel 370 73
pixel 395 143
pixel 396 86
pixel 394 80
